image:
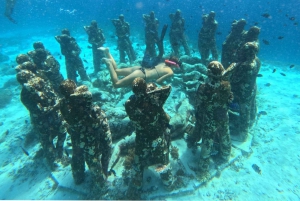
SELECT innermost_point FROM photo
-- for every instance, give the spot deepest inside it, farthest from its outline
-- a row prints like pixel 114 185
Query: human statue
pixel 177 37
pixel 96 39
pixel 236 40
pixel 212 120
pixel 244 88
pixel 38 96
pixel 90 133
pixel 207 38
pixel 124 43
pixel 145 110
pixel 47 65
pixel 71 51
pixel 151 33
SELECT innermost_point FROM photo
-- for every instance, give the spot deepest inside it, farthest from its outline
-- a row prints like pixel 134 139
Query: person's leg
pixel 205 54
pixel 107 55
pixel 112 72
pixel 120 72
pixel 224 142
pixel 206 149
pixel 126 81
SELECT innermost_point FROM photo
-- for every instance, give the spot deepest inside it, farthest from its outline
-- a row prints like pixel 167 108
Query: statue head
pixel 21 58
pixel 215 70
pixel 139 86
pixel 67 87
pixel 94 23
pixel 152 15
pixel 24 75
pixel 248 51
pixel 121 17
pixel 178 13
pixel 66 31
pixel 38 45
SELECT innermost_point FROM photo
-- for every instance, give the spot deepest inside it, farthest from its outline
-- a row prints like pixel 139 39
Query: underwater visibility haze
pixel 142 100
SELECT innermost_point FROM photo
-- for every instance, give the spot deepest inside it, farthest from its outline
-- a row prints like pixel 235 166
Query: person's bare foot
pixel 104 49
pixel 106 60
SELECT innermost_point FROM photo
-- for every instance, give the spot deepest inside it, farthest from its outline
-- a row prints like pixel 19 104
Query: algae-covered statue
pixel 96 39
pixel 145 110
pixel 243 82
pixel 89 130
pixel 47 65
pixel 177 37
pixel 71 51
pixel 236 40
pixel 207 39
pixel 233 42
pixel 151 33
pixel 124 43
pixel 212 120
pixel 42 102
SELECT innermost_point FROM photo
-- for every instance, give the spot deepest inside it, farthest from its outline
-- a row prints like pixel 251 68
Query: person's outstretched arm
pixel 163 78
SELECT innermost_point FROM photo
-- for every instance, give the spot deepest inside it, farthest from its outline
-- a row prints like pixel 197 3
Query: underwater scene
pixel 149 100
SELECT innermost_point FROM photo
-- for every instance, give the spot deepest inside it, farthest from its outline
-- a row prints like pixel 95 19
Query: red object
pixel 171 62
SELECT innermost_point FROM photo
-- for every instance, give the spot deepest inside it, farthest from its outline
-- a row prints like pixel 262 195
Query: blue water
pixel 34 15
pixel 46 18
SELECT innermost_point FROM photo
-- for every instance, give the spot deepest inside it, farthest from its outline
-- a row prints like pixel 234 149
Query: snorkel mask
pixel 170 63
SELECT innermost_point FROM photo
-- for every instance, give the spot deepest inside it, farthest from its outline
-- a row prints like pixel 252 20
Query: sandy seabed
pixel 273 147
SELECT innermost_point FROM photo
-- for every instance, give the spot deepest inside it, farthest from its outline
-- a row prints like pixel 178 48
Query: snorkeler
pixel 9 8
pixel 151 68
pixel 160 72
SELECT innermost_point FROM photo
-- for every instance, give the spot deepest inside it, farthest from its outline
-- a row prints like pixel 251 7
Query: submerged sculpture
pixel 145 110
pixel 89 130
pixel 212 121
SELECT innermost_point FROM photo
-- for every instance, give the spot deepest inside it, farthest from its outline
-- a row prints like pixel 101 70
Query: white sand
pixel 275 148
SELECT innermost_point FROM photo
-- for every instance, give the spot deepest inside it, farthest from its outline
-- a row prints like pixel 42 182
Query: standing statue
pixel 38 96
pixel 151 33
pixel 89 130
pixel 177 37
pixel 243 82
pixel 96 39
pixel 207 39
pixel 71 50
pixel 124 43
pixel 145 110
pixel 212 120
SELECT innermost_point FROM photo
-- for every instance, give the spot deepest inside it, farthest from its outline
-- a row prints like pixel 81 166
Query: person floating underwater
pixel 9 8
pixel 152 68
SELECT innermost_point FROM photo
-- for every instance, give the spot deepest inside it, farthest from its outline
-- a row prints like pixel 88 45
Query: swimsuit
pixel 144 71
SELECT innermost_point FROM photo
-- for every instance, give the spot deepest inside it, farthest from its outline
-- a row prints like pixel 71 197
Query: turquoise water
pixel 276 135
